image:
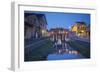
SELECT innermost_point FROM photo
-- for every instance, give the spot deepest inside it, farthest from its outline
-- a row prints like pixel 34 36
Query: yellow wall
pixel 74 28
pixel 77 31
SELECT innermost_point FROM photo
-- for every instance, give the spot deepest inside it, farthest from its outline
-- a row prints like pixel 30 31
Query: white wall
pixel 5 34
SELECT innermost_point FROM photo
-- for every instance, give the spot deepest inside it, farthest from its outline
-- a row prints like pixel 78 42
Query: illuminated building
pixel 58 33
pixel 81 29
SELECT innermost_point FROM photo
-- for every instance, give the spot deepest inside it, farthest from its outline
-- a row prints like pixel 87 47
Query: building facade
pixel 58 33
pixel 35 25
pixel 81 29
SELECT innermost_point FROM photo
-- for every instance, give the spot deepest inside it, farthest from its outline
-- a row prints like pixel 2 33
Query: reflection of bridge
pixel 64 47
pixel 64 51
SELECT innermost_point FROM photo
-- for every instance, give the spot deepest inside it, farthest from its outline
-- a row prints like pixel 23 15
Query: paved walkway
pixel 34 45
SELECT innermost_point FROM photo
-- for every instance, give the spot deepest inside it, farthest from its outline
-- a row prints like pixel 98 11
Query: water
pixel 64 52
pixel 64 56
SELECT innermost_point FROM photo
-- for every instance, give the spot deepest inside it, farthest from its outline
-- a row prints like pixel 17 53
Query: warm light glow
pixel 82 31
pixel 43 31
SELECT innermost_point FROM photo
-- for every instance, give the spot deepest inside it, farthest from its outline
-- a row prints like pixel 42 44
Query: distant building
pixel 35 25
pixel 58 33
pixel 81 29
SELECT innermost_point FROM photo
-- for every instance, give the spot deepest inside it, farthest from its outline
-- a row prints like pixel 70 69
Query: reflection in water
pixel 63 47
pixel 64 51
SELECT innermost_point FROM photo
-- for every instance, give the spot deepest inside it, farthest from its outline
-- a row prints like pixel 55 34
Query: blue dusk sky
pixel 64 20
